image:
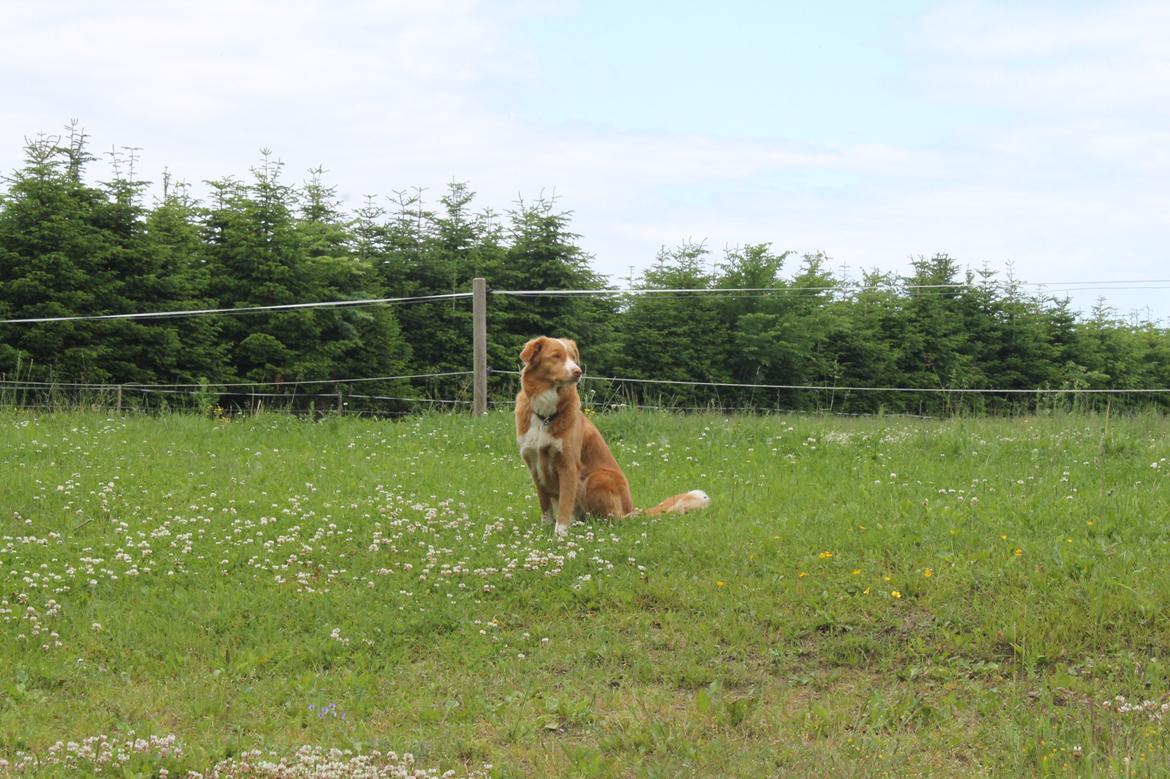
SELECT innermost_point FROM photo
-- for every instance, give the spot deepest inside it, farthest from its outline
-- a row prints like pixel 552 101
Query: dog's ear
pixel 532 350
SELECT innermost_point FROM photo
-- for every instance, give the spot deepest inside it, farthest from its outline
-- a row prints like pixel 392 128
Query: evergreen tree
pixel 415 263
pixel 173 240
pixel 255 258
pixel 674 336
pixel 69 249
pixel 543 255
pixel 361 342
pixel 1018 352
pixel 935 351
pixel 782 337
pixel 867 330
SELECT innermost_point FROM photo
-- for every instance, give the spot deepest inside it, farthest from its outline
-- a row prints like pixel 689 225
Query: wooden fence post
pixel 479 346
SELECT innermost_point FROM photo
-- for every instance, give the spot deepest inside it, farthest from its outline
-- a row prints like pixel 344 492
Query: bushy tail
pixel 680 504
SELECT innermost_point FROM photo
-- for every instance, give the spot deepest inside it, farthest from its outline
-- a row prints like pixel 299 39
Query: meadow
pixel 264 595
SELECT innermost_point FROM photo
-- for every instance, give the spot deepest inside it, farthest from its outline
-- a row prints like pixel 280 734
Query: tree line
pixel 71 247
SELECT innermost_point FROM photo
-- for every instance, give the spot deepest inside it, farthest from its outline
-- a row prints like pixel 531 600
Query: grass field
pixel 865 597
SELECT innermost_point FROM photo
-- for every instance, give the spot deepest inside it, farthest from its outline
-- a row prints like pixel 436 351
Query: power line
pixel 214 385
pixel 830 388
pixel 701 290
pixel 410 400
pixel 241 310
pixel 1101 289
pixel 298 395
pixel 1093 283
pixel 610 405
pixel 891 285
pixel 165 390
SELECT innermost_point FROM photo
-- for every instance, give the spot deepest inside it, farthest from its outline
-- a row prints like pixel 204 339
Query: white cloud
pixel 1064 58
pixel 1063 164
pixel 205 61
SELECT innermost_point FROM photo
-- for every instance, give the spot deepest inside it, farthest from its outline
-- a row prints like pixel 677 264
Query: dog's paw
pixel 562 530
pixel 548 518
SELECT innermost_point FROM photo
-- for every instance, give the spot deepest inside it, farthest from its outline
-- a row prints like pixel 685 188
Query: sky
pixel 1027 137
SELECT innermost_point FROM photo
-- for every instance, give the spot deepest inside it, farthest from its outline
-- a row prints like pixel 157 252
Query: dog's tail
pixel 680 504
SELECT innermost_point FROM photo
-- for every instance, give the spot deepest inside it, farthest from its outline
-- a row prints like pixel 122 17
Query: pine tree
pixel 68 249
pixel 363 342
pixel 543 255
pixel 935 351
pixel 413 265
pixel 865 342
pixel 676 336
pixel 256 259
pixel 173 241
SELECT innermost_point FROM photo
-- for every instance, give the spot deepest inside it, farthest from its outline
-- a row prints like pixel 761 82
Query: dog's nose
pixel 575 372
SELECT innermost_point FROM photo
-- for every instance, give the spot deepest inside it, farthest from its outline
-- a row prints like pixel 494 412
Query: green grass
pixel 865 597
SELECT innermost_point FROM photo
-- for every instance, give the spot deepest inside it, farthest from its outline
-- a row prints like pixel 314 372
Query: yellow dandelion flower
pixel 866 591
pixel 802 574
pixel 720 583
pixel 856 572
pixel 928 573
pixel 1018 552
pixel 895 594
pixel 825 555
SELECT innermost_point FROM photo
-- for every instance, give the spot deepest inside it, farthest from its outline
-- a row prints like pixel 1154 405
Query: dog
pixel 574 472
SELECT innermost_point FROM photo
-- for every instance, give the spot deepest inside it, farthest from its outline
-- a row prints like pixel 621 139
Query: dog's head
pixel 552 361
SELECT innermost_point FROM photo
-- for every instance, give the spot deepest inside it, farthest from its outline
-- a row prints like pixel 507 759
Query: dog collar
pixel 545 420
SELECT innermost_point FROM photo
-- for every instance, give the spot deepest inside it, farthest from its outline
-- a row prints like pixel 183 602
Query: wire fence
pixel 845 287
pixel 838 388
pixel 195 312
pixel 601 393
pixel 14 384
pixel 337 395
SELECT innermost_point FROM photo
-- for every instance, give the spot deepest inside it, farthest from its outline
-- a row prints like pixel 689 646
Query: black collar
pixel 545 421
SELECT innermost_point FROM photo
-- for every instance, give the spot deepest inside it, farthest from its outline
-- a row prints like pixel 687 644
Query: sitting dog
pixel 573 470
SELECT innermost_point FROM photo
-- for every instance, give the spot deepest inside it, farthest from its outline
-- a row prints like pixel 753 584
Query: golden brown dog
pixel 573 470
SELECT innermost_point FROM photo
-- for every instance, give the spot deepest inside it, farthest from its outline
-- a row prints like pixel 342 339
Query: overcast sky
pixel 1029 133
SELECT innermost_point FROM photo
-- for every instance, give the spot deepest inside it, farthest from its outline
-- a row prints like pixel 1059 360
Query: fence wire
pixel 832 388
pixel 289 391
pixel 239 310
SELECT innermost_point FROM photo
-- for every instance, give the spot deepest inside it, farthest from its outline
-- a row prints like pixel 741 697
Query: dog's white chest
pixel 545 403
pixel 539 451
pixel 536 439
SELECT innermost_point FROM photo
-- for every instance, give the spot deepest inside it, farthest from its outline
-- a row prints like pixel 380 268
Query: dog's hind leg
pixel 605 493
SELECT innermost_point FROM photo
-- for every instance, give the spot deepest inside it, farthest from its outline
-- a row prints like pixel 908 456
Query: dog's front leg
pixel 546 504
pixel 567 499
pixel 532 460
